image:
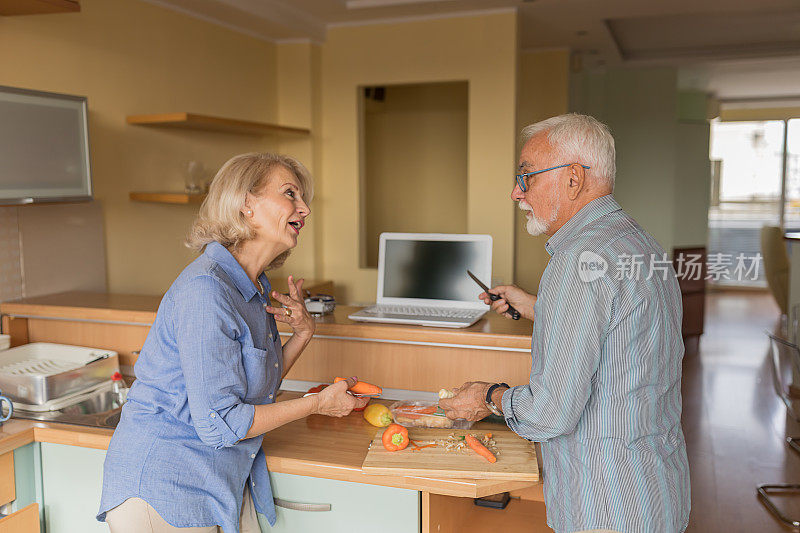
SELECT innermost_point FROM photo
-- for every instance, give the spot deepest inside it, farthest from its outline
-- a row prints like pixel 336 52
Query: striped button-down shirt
pixel 604 396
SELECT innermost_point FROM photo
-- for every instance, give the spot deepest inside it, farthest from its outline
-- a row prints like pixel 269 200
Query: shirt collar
pixel 220 255
pixel 586 215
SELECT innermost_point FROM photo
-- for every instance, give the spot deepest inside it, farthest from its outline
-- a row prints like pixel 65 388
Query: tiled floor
pixel 735 425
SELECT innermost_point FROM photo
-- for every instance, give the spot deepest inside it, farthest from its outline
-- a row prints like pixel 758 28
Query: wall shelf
pixel 208 123
pixel 37 7
pixel 168 197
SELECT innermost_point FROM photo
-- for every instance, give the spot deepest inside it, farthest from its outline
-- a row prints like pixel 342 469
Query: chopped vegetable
pixel 378 415
pixel 395 438
pixel 362 387
pixel 482 450
pixel 446 393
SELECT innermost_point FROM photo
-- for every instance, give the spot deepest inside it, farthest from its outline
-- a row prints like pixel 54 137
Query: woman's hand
pixel 334 400
pixel 294 310
pixel 510 294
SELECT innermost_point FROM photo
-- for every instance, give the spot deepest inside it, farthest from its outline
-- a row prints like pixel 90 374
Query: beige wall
pixel 661 139
pixel 298 73
pixel 543 92
pixel 480 50
pixel 415 155
pixel 130 57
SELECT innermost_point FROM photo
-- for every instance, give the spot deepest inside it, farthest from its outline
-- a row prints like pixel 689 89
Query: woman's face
pixel 278 209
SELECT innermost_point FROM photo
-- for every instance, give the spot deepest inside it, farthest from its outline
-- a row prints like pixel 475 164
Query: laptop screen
pixel 434 269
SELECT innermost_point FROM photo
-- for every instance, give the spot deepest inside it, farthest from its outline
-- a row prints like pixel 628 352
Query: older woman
pixel 186 454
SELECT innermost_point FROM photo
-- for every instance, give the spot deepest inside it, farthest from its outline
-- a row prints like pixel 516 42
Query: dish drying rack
pixel 43 374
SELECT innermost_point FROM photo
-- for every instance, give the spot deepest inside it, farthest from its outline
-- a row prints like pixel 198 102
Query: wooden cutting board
pixel 516 458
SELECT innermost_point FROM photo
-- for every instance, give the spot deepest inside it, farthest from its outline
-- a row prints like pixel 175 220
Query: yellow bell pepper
pixel 378 415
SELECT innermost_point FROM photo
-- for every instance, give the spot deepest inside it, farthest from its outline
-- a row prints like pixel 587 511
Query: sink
pixel 99 403
pixel 112 420
pixel 99 410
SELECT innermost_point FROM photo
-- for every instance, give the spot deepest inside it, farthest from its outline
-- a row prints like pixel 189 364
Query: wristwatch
pixel 488 401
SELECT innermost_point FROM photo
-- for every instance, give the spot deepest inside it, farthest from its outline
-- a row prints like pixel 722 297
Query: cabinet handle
pixel 308 507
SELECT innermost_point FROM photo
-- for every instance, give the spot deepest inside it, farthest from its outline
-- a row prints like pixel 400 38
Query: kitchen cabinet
pixel 23 521
pixel 72 481
pixel 22 512
pixel 353 506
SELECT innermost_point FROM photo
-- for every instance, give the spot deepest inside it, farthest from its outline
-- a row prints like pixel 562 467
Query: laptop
pixel 422 279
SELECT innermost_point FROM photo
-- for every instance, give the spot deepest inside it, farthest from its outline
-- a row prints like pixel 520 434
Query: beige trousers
pixel 135 515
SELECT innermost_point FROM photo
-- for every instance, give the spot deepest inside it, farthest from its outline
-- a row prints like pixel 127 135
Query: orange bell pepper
pixel 395 437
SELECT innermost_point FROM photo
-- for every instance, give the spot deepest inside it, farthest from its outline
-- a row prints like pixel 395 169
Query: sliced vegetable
pixel 318 388
pixel 362 387
pixel 482 450
pixel 378 415
pixel 395 438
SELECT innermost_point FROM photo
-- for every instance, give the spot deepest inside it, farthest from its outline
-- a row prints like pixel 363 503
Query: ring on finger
pixel 287 311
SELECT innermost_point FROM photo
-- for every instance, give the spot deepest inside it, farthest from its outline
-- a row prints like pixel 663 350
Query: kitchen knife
pixel 511 311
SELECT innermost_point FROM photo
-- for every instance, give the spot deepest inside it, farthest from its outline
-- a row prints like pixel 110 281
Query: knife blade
pixel 511 311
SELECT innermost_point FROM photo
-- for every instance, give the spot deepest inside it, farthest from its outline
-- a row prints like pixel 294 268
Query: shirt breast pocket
pixel 256 364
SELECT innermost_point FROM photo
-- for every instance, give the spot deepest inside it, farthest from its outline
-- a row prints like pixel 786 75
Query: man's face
pixel 542 201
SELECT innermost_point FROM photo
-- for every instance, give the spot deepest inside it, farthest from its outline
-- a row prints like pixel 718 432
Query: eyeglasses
pixel 521 177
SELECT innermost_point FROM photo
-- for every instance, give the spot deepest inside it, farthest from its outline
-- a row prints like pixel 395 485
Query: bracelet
pixel 488 400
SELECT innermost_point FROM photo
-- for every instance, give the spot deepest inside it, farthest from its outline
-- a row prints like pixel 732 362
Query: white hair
pixel 579 139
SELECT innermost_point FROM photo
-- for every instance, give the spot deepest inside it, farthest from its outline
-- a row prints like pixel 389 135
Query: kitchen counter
pixel 396 356
pixel 493 330
pixel 316 446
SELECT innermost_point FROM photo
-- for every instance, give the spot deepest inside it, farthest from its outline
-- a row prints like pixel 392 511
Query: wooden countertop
pixel 491 331
pixel 316 446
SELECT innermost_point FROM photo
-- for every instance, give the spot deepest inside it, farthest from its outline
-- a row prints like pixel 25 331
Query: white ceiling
pixel 716 37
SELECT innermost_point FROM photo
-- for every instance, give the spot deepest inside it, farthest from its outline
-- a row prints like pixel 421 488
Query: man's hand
pixel 468 402
pixel 510 294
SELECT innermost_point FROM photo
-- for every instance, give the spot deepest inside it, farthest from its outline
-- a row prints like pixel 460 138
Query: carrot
pixel 362 387
pixel 416 447
pixel 481 450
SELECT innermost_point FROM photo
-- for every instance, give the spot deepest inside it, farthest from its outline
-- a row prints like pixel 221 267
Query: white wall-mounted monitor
pixel 44 147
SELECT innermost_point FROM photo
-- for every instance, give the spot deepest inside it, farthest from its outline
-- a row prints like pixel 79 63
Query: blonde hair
pixel 221 219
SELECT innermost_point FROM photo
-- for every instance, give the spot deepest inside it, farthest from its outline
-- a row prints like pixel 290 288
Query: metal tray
pixel 39 372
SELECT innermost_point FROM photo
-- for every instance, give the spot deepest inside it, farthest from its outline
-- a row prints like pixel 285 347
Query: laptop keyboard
pixel 416 311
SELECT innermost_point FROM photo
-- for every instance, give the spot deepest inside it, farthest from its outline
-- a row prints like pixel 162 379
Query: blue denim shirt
pixel 212 354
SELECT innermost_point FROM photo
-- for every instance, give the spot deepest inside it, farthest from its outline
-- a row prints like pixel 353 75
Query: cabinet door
pixel 25 520
pixel 353 506
pixel 7 492
pixel 72 479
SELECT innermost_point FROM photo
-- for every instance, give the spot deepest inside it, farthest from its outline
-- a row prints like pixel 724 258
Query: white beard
pixel 535 225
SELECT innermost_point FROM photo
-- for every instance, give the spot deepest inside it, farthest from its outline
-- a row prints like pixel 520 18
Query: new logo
pixel 591 266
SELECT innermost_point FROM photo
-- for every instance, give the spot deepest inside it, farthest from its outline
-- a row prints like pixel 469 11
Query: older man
pixel 604 396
